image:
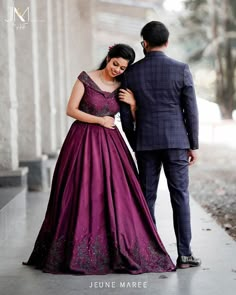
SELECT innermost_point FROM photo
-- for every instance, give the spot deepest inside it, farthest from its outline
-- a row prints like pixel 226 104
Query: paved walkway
pixel 19 224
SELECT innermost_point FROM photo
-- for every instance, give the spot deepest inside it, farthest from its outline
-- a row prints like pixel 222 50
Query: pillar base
pixel 38 173
pixel 54 155
pixel 51 163
pixel 14 178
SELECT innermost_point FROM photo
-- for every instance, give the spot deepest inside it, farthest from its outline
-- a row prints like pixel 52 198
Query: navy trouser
pixel 175 164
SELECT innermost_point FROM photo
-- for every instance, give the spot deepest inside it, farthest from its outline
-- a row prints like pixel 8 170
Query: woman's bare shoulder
pixel 93 74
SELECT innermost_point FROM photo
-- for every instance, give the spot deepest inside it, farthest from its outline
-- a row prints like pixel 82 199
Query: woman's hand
pixel 127 96
pixel 108 122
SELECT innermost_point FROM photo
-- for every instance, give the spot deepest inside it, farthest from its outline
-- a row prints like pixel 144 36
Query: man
pixel 166 129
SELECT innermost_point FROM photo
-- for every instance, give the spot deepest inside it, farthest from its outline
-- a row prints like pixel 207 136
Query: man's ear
pixel 146 44
pixel 167 44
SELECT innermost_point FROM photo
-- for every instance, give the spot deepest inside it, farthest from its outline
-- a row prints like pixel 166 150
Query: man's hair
pixel 155 33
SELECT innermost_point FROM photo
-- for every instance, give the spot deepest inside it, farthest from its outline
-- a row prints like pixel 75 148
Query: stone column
pixel 78 44
pixel 59 70
pixel 78 38
pixel 28 91
pixel 66 48
pixel 10 173
pixel 69 78
pixel 85 33
pixel 47 77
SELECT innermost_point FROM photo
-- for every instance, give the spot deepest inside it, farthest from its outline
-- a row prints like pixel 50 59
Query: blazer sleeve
pixel 190 109
pixel 127 121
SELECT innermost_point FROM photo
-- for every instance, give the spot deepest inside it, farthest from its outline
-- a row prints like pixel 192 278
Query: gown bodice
pixel 95 101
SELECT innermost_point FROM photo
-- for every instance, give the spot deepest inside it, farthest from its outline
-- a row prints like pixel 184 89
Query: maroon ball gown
pixel 97 220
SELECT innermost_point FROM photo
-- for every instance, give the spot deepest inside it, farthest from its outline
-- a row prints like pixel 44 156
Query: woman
pixel 97 220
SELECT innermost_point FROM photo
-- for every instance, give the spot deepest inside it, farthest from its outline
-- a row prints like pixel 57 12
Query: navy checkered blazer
pixel 167 114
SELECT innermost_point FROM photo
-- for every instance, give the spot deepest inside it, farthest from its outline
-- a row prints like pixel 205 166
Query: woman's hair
pixel 119 50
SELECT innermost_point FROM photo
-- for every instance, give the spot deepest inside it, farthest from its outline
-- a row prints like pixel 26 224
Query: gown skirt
pixel 97 220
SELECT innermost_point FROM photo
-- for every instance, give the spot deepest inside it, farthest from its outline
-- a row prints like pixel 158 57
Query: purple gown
pixel 97 220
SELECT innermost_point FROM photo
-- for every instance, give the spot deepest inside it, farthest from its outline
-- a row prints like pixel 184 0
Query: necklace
pixel 105 81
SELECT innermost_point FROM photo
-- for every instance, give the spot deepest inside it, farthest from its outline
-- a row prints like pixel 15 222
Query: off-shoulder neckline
pixel 96 85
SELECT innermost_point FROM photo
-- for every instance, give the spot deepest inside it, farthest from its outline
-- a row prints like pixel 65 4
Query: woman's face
pixel 116 66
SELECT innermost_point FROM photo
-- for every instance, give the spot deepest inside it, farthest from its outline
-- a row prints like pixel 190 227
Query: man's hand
pixel 192 157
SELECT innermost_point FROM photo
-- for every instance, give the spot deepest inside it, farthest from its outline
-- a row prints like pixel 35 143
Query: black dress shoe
pixel 187 261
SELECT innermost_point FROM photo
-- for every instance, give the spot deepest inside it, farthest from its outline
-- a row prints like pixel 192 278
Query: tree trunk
pixel 229 64
pixel 228 91
pixel 224 62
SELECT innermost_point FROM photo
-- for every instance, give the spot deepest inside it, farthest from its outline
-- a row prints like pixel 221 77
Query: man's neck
pixel 161 48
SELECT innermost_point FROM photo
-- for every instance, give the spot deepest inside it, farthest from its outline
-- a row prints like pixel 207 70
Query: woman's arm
pixel 74 112
pixel 127 96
